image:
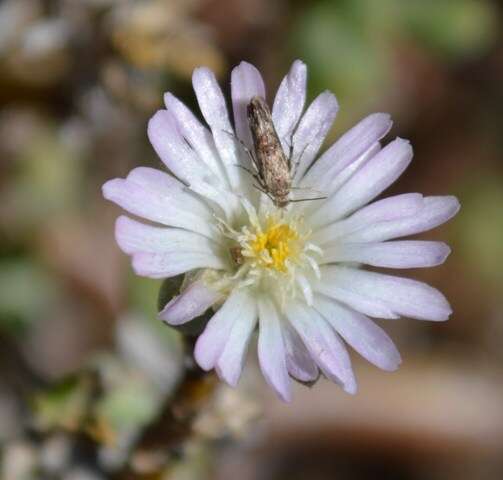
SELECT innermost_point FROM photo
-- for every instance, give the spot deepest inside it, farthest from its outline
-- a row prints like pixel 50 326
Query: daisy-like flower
pixel 294 274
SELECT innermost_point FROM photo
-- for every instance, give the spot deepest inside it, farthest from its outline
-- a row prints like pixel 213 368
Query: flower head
pixel 294 272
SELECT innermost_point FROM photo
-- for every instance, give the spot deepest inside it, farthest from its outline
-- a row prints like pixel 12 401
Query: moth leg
pixel 245 148
pixel 297 163
pixel 306 199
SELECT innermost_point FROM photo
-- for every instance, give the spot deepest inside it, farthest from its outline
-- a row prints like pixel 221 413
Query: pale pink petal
pixel 191 303
pixel 158 197
pixel 390 208
pixel 367 338
pixel 134 237
pixel 311 132
pixel 323 344
pixel 289 103
pixel 347 150
pixel 231 361
pixel 214 109
pixel 211 342
pixel 197 135
pixel 164 265
pixel 402 296
pixel 299 362
pixel 436 210
pixel 246 83
pixel 397 254
pixel 368 182
pixel 271 350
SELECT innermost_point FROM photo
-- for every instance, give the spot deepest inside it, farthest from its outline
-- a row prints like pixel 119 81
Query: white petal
pixel 196 134
pixel 158 197
pixel 214 109
pixel 323 344
pixel 134 237
pixel 299 362
pixel 289 103
pixel 271 350
pixel 164 265
pixel 176 154
pixel 191 303
pixel 347 150
pixel 311 132
pixel 231 361
pixel 402 296
pixel 368 182
pixel 211 342
pixel 246 83
pixel 436 210
pixel 398 254
pixel 391 208
pixel 367 338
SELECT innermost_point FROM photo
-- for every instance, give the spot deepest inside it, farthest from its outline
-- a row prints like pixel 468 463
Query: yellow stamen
pixel 275 245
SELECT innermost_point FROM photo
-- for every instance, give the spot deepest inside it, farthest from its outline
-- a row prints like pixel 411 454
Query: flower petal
pixel 368 182
pixel 214 109
pixel 246 83
pixel 345 151
pixel 177 155
pixel 311 132
pixel 231 361
pixel 271 350
pixel 391 208
pixel 367 338
pixel 134 237
pixel 158 197
pixel 323 344
pixel 436 210
pixel 398 254
pixel 289 103
pixel 299 362
pixel 211 342
pixel 165 265
pixel 402 296
pixel 191 303
pixel 197 135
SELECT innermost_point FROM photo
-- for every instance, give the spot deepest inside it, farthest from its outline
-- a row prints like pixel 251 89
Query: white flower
pixel 295 271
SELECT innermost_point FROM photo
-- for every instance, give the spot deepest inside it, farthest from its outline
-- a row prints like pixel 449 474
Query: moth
pixel 273 168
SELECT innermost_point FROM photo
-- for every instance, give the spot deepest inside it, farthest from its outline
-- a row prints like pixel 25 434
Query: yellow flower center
pixel 274 246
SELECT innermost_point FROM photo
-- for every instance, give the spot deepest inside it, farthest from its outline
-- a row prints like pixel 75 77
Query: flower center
pixel 273 247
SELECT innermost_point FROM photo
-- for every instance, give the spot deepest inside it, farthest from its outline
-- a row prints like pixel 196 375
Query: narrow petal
pixel 211 342
pixel 173 150
pixel 311 132
pixel 402 296
pixel 436 210
pixel 390 208
pixel 368 182
pixel 214 109
pixel 196 134
pixel 158 197
pixel 134 237
pixel 398 254
pixel 271 350
pixel 165 265
pixel 289 103
pixel 230 362
pixel 350 147
pixel 299 362
pixel 246 83
pixel 367 338
pixel 191 303
pixel 323 344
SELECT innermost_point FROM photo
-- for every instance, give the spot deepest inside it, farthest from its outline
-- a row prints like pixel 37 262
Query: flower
pixel 294 272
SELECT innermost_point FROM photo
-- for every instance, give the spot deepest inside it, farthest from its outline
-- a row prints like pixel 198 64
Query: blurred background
pixel 90 380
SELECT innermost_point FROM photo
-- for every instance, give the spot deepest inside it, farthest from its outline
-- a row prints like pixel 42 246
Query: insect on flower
pixel 272 166
pixel 295 274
